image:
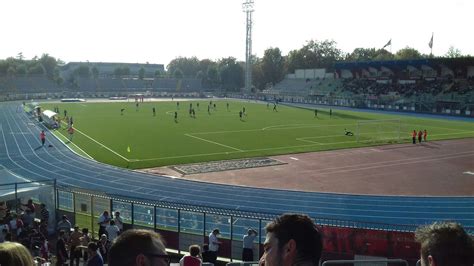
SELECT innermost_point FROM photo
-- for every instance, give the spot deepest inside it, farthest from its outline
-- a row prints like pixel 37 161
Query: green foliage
pixel 315 54
pixel 141 73
pixel 122 71
pixel 82 71
pixel 408 53
pixel 231 74
pixel 177 73
pixel 272 66
pixel 159 140
pixel 453 53
pixel 95 72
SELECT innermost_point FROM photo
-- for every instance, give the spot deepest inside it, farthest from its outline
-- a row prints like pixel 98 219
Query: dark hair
pixel 194 250
pixel 205 247
pixel 92 246
pixel 128 245
pixel 447 243
pixel 303 231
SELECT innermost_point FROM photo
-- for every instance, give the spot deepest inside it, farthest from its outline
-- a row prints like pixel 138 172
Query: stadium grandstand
pixel 442 86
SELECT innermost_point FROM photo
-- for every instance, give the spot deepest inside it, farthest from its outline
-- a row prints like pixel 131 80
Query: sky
pixel 157 31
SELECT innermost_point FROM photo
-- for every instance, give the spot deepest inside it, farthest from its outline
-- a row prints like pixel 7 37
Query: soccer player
pixel 413 136
pixel 176 117
pixel 65 113
pixel 215 106
pixel 315 112
pixel 227 107
pixel 240 115
pixel 268 105
pixel 209 109
pixel 154 111
pixel 197 105
pixel 177 105
pixel 42 137
pixel 275 107
pixel 348 133
pixel 420 135
pixel 425 134
pixel 121 111
pixel 330 112
pixel 136 106
pixel 243 110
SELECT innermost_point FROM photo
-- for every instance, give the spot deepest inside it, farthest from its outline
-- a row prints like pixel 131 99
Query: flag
pixel 430 44
pixel 388 43
pixel 128 149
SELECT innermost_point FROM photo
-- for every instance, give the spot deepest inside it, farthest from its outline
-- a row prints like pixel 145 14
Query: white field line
pixel 72 143
pixel 305 140
pixel 107 148
pixel 213 142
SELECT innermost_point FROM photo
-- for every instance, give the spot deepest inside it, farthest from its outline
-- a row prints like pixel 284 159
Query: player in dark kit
pixel 240 115
pixel 121 111
pixel 154 111
pixel 330 112
pixel 176 117
pixel 315 112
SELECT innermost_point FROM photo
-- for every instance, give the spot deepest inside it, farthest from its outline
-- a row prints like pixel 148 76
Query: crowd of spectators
pixel 290 239
pixel 420 87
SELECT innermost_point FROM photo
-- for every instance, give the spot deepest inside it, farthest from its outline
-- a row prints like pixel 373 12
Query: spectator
pixel 85 240
pixel 292 239
pixel 214 245
pixel 104 220
pixel 206 255
pixel 138 247
pixel 95 258
pixel 247 251
pixel 194 257
pixel 444 244
pixel 15 254
pixel 118 221
pixel 64 225
pixel 75 253
pixel 3 211
pixel 61 252
pixel 112 231
pixel 44 214
pixel 104 246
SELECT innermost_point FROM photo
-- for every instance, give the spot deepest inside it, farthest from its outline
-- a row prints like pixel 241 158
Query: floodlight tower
pixel 247 7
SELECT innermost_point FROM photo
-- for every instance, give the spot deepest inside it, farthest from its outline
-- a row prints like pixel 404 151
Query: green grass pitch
pixel 105 135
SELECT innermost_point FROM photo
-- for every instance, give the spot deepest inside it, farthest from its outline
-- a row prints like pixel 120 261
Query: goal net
pixel 383 131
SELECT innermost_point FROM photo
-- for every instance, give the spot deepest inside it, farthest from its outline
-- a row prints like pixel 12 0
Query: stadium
pixel 369 149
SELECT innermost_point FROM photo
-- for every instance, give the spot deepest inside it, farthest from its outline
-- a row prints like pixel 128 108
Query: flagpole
pixel 431 52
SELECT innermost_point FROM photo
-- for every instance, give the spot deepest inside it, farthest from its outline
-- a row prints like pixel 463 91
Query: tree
pixel 362 54
pixel 48 63
pixel 408 53
pixel 231 74
pixel 178 73
pixel 315 54
pixel 95 72
pixel 158 73
pixel 212 76
pixel 272 66
pixel 453 53
pixel 83 71
pixel 141 73
pixel 188 66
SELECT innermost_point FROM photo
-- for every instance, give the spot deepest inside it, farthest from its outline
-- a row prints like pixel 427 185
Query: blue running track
pixel 20 153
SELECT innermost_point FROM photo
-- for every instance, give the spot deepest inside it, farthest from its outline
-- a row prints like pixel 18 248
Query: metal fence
pixel 180 226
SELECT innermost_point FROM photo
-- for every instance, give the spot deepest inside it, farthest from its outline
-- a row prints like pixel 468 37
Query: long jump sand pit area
pixel 438 168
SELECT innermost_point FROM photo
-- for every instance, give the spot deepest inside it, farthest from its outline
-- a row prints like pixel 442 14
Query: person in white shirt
pixel 214 244
pixel 118 221
pixel 112 230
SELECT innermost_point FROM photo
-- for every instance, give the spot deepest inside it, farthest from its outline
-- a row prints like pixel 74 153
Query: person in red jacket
pixel 42 137
pixel 420 135
pixel 425 134
pixel 194 257
pixel 413 135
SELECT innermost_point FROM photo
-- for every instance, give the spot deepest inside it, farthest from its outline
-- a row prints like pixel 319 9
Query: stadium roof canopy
pixel 400 64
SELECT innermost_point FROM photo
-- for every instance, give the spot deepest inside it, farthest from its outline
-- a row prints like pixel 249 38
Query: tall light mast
pixel 247 7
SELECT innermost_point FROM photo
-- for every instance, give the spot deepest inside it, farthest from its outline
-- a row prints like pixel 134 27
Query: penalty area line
pixel 213 142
